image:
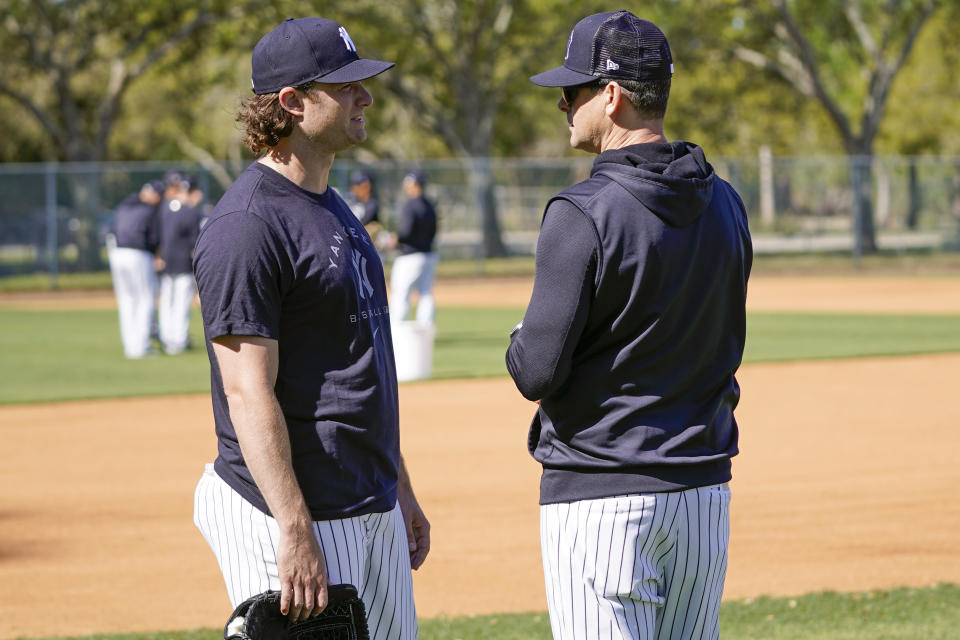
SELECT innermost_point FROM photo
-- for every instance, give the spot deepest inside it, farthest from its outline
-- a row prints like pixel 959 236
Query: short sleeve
pixel 238 264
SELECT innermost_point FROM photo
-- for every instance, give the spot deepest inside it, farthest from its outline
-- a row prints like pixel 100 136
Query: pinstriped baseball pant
pixel 369 552
pixel 639 567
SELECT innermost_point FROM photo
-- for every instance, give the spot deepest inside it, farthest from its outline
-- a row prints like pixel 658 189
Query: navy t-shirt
pixel 418 226
pixel 135 224
pixel 179 228
pixel 280 262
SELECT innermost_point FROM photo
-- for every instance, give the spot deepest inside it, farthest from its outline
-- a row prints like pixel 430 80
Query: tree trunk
pixel 481 183
pixel 861 182
pixel 864 233
pixel 913 210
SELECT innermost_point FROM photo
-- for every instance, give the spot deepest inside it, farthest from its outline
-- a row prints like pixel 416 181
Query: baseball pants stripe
pixel 638 567
pixel 367 551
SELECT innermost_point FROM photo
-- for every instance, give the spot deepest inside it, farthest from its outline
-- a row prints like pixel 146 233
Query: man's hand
pixel 418 529
pixel 303 573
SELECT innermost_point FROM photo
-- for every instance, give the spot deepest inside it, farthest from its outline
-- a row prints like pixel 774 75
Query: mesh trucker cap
pixel 308 49
pixel 616 45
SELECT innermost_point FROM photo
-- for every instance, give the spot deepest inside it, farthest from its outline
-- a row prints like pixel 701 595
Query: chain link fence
pixel 54 217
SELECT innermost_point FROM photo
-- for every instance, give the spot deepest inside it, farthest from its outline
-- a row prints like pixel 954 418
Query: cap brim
pixel 355 71
pixel 561 77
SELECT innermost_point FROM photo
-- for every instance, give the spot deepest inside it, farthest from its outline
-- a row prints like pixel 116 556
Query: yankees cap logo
pixel 569 42
pixel 346 40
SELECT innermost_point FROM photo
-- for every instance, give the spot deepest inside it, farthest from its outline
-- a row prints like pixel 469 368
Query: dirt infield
pixel 845 481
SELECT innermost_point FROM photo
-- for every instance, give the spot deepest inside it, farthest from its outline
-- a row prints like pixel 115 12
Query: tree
pixel 845 55
pixel 69 63
pixel 462 65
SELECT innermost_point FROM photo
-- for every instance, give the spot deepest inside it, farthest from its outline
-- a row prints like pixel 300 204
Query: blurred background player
pixel 415 268
pixel 180 219
pixel 130 246
pixel 364 203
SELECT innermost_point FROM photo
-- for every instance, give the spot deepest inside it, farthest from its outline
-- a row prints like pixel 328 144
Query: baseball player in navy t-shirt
pixel 130 247
pixel 180 220
pixel 309 487
pixel 630 342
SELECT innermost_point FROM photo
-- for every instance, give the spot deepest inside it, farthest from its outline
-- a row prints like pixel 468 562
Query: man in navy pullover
pixel 633 334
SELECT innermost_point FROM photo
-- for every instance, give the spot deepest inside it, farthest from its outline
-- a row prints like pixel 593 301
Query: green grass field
pixel 899 614
pixel 67 355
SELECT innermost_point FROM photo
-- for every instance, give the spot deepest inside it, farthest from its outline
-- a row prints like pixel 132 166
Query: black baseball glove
pixel 259 618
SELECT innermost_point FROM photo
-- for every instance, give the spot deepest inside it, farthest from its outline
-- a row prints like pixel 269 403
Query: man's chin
pixel 358 135
pixel 582 145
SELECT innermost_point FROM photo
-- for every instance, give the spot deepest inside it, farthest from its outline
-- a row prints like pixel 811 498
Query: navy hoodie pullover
pixel 636 327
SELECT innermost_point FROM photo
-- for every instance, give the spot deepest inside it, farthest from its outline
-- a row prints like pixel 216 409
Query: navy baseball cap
pixel 308 49
pixel 359 177
pixel 416 176
pixel 156 185
pixel 616 45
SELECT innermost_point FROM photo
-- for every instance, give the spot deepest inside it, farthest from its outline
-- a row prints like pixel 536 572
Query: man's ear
pixel 612 98
pixel 291 101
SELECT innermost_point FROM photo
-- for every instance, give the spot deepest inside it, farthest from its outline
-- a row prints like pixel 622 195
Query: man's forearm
pixel 403 477
pixel 265 444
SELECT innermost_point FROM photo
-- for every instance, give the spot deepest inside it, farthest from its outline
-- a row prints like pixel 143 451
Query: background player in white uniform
pixel 130 249
pixel 416 267
pixel 180 218
pixel 309 486
pixel 630 343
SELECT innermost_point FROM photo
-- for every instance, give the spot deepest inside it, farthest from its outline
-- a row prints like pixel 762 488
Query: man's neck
pixel 618 137
pixel 300 163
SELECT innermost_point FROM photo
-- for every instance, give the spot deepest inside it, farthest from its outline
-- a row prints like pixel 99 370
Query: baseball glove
pixel 259 618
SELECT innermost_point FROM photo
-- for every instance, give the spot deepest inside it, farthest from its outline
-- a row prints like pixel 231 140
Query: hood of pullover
pixel 673 180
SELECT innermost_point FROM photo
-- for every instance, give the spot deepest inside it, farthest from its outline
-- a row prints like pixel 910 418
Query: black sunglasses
pixel 570 94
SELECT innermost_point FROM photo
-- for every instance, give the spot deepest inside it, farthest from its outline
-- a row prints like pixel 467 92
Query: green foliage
pixel 69 64
pixel 462 71
pixel 843 55
pixel 461 82
pixel 922 116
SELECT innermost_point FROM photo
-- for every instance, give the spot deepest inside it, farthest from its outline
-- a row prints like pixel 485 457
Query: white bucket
pixel 413 349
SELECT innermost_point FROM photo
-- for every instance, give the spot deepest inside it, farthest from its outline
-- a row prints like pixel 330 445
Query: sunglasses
pixel 570 94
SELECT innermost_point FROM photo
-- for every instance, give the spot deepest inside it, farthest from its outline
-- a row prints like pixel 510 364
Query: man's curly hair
pixel 264 121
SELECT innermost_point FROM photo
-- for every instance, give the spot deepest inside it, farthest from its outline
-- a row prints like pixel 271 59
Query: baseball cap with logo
pixel 309 49
pixel 616 45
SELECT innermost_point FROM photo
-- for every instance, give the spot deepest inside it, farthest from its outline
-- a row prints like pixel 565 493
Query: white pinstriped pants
pixel 640 567
pixel 135 285
pixel 369 552
pixel 413 271
pixel 173 310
